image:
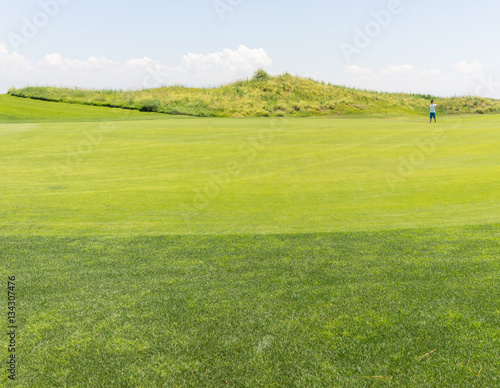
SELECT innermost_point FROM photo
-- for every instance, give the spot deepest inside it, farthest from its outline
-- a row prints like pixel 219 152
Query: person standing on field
pixel 433 111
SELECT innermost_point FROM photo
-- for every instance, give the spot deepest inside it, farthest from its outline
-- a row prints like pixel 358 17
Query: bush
pixel 261 75
pixel 261 113
pixel 149 106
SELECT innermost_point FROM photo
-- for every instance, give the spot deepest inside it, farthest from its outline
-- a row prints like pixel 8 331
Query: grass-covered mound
pixel 281 96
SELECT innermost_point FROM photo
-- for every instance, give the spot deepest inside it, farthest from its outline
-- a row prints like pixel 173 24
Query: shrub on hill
pixel 261 75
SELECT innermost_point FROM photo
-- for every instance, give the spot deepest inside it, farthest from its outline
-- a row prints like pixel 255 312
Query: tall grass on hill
pixel 262 96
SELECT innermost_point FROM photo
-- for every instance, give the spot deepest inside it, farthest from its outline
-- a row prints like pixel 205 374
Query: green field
pixel 19 110
pixel 158 251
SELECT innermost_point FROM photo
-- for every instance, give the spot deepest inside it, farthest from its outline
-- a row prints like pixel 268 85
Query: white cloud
pixel 399 70
pixel 232 62
pixel 474 68
pixel 354 69
pixel 194 69
pixel 460 79
pixel 11 60
pixel 363 74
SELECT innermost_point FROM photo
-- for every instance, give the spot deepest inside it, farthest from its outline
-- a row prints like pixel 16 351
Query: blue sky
pixel 440 47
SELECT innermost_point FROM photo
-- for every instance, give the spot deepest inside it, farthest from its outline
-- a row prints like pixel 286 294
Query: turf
pixel 197 176
pixel 16 110
pixel 399 309
pixel 251 252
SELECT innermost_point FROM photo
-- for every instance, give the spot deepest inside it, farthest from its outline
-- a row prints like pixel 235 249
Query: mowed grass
pixel 16 110
pixel 196 176
pixel 406 308
pixel 252 252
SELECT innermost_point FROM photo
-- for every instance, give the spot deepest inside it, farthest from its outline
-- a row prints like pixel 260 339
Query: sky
pixel 443 48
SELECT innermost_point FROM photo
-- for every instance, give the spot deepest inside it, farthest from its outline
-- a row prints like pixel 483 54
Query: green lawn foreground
pixel 407 308
pixel 252 253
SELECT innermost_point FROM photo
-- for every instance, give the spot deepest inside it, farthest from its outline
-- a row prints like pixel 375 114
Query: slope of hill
pixel 15 110
pixel 263 95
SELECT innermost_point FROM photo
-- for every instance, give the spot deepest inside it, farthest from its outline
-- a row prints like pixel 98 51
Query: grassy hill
pixel 281 96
